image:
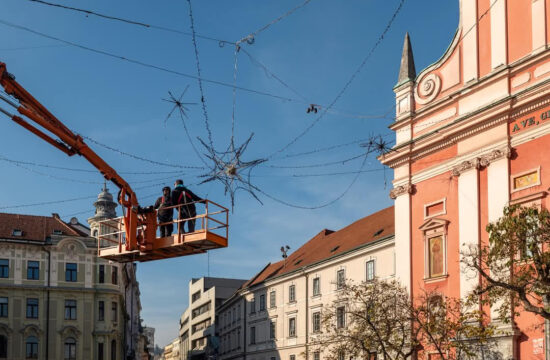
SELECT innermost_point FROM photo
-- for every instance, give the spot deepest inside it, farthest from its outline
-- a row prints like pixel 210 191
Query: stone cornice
pixel 463 129
pixel 400 190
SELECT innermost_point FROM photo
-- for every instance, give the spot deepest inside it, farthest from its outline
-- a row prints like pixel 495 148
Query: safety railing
pixel 194 217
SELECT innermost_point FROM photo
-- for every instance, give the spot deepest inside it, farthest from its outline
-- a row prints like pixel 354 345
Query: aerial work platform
pixel 211 233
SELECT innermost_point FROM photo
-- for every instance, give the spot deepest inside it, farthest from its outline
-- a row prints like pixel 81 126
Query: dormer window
pixel 17 232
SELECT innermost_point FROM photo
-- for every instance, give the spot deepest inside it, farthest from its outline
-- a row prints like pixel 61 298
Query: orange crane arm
pixel 68 142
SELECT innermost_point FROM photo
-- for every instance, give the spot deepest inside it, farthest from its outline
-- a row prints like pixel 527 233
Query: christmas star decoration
pixel 231 170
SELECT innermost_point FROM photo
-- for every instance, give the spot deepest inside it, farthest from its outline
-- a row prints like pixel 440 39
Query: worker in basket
pixel 186 199
pixel 165 216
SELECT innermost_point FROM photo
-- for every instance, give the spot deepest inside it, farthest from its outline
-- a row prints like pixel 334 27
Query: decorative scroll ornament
pixel 400 190
pixel 495 155
pixel 427 89
pixel 482 161
pixel 465 166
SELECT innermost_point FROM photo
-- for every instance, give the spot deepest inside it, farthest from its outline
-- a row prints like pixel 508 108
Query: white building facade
pixel 277 314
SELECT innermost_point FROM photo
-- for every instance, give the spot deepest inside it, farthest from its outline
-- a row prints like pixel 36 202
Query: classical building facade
pixel 276 315
pixel 58 300
pixel 472 135
pixel 197 323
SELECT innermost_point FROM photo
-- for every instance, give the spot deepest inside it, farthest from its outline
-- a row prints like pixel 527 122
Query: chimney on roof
pixel 55 215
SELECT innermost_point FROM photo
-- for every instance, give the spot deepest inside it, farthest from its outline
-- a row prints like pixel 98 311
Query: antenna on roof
pixel 284 250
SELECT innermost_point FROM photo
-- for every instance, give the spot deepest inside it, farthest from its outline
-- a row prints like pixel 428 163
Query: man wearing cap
pixel 165 216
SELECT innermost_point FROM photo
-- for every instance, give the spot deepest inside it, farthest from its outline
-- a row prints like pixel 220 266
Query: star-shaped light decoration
pixel 231 170
pixel 377 144
pixel 178 104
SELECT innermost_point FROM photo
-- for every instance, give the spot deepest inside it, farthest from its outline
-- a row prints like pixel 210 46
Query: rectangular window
pixel 101 311
pixel 70 272
pixel 4 268
pixel 70 309
pixel 370 270
pixel 316 318
pixel 253 335
pixel 33 270
pixel 114 275
pixel 3 307
pixel 340 278
pixel 253 305
pixel 317 355
pixel 341 317
pixel 101 276
pixel 292 293
pixel 114 311
pixel 262 302
pixel 239 312
pixel 316 286
pixel 31 348
pixel 435 256
pixel 100 351
pixel 292 357
pixel 70 349
pixel 272 330
pixel 272 299
pixel 200 310
pixel 196 296
pixel 292 327
pixel 32 308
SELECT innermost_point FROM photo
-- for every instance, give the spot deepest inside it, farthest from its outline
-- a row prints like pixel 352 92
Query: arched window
pixel 3 346
pixel 70 349
pixel 113 350
pixel 31 348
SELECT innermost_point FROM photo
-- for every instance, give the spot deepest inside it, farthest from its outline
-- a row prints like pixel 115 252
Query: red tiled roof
pixel 329 243
pixel 35 228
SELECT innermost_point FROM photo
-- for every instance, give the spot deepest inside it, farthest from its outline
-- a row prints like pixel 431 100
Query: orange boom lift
pixel 132 237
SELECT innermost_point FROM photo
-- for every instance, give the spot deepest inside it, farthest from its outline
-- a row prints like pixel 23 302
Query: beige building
pixel 197 324
pixel 277 314
pixel 58 300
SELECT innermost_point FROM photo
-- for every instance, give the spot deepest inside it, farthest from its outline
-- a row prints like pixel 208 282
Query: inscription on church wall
pixel 530 121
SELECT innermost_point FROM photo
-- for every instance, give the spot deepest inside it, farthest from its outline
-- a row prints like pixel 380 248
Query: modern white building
pixel 277 314
pixel 206 294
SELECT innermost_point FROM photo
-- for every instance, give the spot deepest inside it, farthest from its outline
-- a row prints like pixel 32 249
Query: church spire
pixel 407 72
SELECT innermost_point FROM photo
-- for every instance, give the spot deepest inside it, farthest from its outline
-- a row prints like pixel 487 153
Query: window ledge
pixel 436 279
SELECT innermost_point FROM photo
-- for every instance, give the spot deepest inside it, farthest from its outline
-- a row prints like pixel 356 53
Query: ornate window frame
pixel 434 227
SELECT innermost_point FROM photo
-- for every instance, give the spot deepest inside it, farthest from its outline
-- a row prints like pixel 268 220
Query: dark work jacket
pixel 182 195
pixel 164 215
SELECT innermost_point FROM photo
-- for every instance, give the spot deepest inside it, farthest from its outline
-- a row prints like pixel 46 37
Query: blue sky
pixel 314 51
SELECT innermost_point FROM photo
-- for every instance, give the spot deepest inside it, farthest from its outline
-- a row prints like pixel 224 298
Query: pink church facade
pixel 472 136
